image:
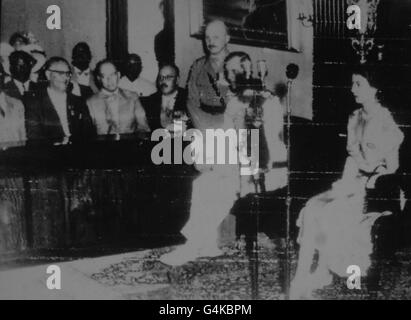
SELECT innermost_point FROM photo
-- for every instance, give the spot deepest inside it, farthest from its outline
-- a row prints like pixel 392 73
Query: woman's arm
pixel 353 145
pixel 390 144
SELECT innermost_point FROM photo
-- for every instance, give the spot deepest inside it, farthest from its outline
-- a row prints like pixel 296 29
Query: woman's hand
pixel 379 171
pixel 371 182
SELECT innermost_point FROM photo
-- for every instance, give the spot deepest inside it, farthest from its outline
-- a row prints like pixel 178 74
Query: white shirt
pixel 59 101
pixel 167 103
pixel 82 78
pixel 140 86
pixel 23 87
pixel 169 100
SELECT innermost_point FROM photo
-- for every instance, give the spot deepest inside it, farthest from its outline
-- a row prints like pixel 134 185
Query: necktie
pixel 26 91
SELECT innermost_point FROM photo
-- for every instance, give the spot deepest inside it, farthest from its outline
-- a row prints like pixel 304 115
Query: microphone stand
pixel 252 247
pixel 259 187
pixel 254 263
pixel 288 195
pixel 292 72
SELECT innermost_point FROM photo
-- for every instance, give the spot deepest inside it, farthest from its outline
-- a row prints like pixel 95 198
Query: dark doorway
pixel 164 41
pixel 117 29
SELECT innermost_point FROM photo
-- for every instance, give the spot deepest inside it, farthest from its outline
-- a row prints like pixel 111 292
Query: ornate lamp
pixel 364 43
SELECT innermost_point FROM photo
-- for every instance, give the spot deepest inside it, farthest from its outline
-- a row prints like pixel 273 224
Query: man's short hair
pixel 101 63
pixel 81 46
pixel 15 56
pixel 54 60
pixel 172 66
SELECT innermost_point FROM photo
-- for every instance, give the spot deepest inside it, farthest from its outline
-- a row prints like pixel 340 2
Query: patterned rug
pixel 231 277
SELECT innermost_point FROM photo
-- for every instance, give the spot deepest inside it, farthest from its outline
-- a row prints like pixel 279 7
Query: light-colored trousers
pixel 214 194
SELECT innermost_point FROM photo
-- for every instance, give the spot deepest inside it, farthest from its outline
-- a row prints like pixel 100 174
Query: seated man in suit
pixel 57 115
pixel 115 111
pixel 20 87
pixel 169 102
pixel 82 80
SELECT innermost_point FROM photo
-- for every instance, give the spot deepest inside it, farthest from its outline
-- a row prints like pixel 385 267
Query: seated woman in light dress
pixel 336 223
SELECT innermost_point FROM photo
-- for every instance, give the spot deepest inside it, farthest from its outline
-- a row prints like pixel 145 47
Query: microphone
pixel 292 71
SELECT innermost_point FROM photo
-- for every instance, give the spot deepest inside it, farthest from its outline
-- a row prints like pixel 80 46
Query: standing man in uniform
pixel 210 226
pixel 207 87
pixel 218 187
pixel 207 95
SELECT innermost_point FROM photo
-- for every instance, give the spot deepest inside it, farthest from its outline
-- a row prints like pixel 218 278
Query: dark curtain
pixel 117 29
pixel 164 41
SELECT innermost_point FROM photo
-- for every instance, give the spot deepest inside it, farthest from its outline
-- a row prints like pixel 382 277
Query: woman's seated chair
pixel 387 230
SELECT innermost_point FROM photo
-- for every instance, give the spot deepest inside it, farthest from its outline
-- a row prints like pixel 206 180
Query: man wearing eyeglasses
pixel 169 101
pixel 58 116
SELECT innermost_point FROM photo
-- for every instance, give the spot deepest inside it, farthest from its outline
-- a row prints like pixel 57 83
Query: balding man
pixel 207 87
pixel 214 190
pixel 207 91
pixel 115 111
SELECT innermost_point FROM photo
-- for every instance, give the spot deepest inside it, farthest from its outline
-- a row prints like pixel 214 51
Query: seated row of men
pixel 24 53
pixel 53 112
